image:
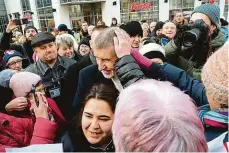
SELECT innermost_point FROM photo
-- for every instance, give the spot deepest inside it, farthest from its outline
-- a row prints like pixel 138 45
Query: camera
pixel 21 21
pixel 192 33
pixel 17 19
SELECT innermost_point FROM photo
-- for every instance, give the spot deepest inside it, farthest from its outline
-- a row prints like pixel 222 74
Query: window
pixel 3 17
pixel 225 14
pixel 181 4
pixel 186 6
pixel 148 14
pixel 45 13
pixel 25 4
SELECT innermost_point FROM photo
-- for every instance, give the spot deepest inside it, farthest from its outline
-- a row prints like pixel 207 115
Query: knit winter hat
pixel 62 27
pixel 215 75
pixel 211 10
pixel 5 77
pixel 30 27
pixel 10 54
pixel 133 28
pixel 153 50
pixel 84 41
pixel 21 83
pixel 158 26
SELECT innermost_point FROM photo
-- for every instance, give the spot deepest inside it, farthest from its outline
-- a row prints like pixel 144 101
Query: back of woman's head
pixel 154 116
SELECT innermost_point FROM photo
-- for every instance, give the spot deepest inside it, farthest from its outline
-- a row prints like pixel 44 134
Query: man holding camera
pixel 25 48
pixel 195 42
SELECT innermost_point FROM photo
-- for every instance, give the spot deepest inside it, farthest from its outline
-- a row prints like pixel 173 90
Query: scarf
pixel 213 118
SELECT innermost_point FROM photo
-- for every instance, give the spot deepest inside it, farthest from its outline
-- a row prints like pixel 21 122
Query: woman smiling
pixel 96 119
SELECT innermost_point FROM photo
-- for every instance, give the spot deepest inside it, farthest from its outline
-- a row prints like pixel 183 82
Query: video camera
pixel 192 33
pixel 17 19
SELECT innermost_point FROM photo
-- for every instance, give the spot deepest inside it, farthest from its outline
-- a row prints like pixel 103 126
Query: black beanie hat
pixel 133 28
pixel 62 27
pixel 84 41
pixel 158 25
pixel 30 27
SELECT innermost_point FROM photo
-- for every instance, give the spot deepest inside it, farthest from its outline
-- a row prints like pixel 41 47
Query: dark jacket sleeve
pixel 194 88
pixel 5 43
pixel 128 71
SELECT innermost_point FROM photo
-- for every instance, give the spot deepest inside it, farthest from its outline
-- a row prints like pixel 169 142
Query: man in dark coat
pixel 106 51
pixel 70 81
pixel 25 48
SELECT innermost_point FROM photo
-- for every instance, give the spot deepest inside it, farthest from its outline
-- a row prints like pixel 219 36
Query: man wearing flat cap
pixel 49 66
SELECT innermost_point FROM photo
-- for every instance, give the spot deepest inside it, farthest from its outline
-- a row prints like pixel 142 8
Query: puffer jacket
pixel 128 71
pixel 179 58
pixel 21 132
pixel 21 129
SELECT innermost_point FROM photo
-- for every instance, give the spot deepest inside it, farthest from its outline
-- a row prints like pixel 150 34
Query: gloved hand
pixel 203 27
pixel 142 61
pixel 178 39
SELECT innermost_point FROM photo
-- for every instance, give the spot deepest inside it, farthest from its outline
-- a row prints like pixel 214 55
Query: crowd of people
pixel 133 87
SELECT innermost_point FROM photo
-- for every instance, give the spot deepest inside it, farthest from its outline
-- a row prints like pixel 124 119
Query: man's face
pixel 135 41
pixel 152 26
pixel 205 18
pixel 90 28
pixel 169 29
pixel 106 59
pixel 84 27
pixel 29 34
pixel 47 52
pixel 179 17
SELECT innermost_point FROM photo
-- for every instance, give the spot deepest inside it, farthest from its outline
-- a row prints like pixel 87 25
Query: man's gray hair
pixel 105 39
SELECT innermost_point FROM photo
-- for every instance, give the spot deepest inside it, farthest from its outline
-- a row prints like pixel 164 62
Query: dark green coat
pixel 177 58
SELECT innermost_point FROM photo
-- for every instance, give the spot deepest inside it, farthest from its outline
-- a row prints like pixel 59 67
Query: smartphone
pixel 21 21
pixel 34 95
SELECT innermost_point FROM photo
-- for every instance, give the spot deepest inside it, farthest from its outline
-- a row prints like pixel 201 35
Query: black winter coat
pixel 69 85
pixel 127 70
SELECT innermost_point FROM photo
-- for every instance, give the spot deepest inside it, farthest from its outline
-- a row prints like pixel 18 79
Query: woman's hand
pixel 17 104
pixel 42 109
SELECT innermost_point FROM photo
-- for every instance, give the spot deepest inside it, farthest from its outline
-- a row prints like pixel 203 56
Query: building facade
pixel 3 16
pixel 51 13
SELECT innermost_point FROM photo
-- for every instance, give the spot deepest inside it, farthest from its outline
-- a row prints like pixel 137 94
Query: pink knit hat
pixel 215 75
pixel 21 83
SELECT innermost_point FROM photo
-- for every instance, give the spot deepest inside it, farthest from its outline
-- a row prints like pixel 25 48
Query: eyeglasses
pixel 84 46
pixel 41 90
pixel 19 61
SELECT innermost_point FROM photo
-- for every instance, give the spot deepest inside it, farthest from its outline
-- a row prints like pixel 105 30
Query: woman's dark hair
pixel 103 92
pixel 113 25
pixel 106 92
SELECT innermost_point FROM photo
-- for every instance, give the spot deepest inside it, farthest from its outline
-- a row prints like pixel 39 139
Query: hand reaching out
pixel 122 43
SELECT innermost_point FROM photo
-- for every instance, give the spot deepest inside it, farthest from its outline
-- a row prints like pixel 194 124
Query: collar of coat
pixel 108 148
pixel 44 67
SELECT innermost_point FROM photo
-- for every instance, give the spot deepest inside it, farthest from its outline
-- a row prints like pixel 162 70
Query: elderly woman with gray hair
pixel 157 121
pixel 65 45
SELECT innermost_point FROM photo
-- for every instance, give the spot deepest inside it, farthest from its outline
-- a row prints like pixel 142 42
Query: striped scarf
pixel 213 118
